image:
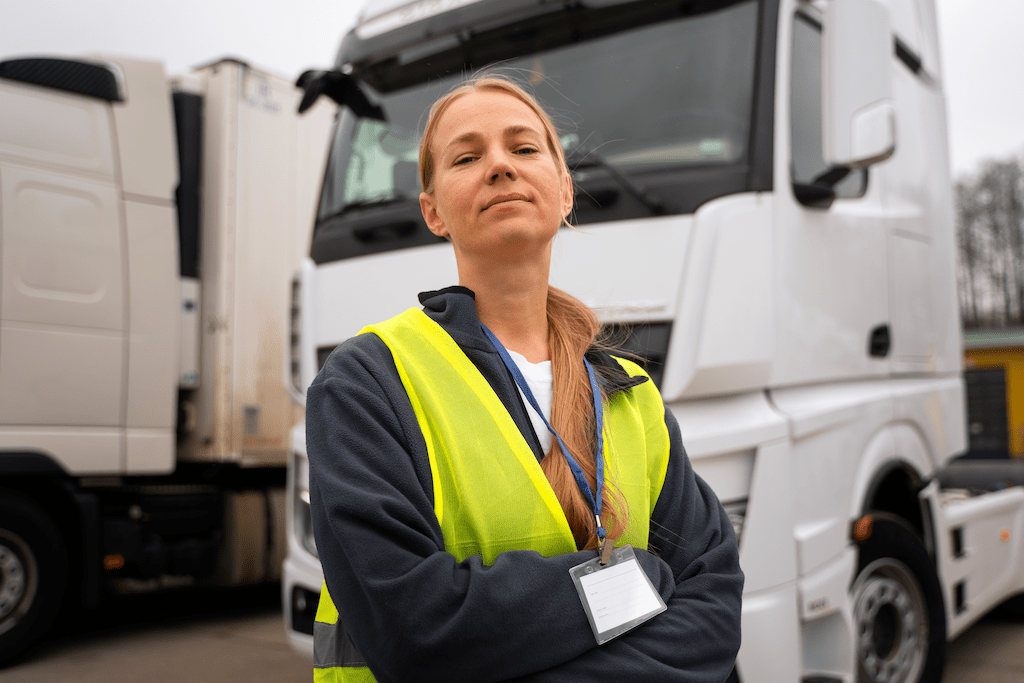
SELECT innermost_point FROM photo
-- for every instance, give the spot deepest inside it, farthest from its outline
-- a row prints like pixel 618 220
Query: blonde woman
pixel 477 463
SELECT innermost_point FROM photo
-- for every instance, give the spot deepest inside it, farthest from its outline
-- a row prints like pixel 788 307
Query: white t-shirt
pixel 539 379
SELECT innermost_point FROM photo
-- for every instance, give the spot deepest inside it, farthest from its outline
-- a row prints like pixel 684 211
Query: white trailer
pixel 144 421
pixel 764 205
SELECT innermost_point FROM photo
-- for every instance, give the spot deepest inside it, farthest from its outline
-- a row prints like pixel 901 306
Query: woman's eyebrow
pixel 464 138
pixel 473 136
pixel 513 131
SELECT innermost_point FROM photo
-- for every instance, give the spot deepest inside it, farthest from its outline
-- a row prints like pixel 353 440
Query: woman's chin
pixel 525 237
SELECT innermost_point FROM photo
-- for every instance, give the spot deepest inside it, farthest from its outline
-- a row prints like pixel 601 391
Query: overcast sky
pixel 982 48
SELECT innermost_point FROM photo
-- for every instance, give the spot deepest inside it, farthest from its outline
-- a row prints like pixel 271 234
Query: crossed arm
pixel 415 613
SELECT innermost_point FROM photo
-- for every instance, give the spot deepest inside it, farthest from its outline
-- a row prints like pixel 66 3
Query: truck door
pixel 832 244
pixel 925 311
pixel 62 305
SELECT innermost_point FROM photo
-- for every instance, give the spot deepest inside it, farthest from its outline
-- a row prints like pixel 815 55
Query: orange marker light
pixel 862 528
pixel 1005 535
pixel 113 562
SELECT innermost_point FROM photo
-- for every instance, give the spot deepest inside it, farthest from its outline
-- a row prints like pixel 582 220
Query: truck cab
pixel 149 227
pixel 763 213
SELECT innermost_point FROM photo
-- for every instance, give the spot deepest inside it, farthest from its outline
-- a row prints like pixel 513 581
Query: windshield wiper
pixel 580 158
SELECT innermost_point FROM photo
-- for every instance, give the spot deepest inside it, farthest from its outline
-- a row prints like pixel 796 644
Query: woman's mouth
pixel 504 198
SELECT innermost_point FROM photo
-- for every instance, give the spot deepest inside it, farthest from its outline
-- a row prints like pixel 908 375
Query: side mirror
pixel 342 88
pixel 859 113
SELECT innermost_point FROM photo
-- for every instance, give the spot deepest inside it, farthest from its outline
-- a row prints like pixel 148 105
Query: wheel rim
pixel 19 578
pixel 892 623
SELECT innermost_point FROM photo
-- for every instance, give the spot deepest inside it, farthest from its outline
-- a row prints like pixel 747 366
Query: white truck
pixel 149 228
pixel 764 209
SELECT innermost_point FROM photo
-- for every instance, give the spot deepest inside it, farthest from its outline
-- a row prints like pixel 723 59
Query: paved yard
pixel 991 651
pixel 239 637
pixel 228 638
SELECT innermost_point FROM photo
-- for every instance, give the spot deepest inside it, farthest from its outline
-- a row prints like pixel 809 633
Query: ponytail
pixel 572 327
pixel 571 330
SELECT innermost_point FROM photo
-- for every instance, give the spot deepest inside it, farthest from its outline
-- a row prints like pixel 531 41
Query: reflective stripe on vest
pixel 335 659
pixel 490 494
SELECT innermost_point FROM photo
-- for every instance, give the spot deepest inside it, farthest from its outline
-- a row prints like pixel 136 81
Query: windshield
pixel 654 96
pixel 653 104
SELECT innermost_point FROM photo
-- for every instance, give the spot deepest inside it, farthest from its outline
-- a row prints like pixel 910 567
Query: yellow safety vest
pixel 448 393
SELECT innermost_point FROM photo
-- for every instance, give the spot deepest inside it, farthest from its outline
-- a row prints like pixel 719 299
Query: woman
pixel 446 519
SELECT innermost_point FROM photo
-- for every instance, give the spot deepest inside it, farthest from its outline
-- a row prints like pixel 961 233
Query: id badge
pixel 616 596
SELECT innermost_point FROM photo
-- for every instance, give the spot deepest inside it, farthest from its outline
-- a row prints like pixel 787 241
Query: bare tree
pixel 990 236
pixel 971 253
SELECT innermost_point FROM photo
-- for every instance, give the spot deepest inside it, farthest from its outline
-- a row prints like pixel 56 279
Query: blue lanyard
pixel 574 467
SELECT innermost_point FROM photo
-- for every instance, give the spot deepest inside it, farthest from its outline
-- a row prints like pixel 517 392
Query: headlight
pixel 303 521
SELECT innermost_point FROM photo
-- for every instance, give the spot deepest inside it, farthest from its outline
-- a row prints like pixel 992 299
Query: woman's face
pixel 498 187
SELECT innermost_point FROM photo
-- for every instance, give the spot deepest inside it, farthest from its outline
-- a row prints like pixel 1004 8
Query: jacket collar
pixel 610 375
pixel 455 309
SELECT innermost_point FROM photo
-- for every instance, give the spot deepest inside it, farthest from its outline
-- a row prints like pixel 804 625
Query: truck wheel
pixel 897 607
pixel 33 573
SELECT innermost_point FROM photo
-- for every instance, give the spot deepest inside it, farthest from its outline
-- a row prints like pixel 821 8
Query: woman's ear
pixel 566 195
pixel 431 217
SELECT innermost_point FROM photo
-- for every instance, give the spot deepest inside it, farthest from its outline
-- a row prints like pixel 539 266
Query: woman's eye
pixel 462 161
pixel 526 150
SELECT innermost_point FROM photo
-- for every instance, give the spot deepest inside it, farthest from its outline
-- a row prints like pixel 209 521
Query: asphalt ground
pixel 239 636
pixel 195 636
pixel 991 651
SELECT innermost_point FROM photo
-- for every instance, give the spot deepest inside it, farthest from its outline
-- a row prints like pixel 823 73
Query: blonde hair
pixel 572 327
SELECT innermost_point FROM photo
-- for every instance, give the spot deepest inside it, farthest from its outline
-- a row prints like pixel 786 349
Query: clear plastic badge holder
pixel 618 596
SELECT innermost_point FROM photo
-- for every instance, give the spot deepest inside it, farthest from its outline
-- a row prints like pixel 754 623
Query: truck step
pixel 980 540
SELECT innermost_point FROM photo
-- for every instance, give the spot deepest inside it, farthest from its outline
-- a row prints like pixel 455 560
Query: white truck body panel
pixel 89 450
pixel 990 565
pixel 261 167
pixel 55 129
pixel 147 162
pixel 298 570
pixel 144 423
pixel 88 340
pixel 62 316
pixel 145 132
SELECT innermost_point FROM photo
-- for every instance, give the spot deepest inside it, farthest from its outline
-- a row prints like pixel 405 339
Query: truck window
pixel 807 163
pixel 649 101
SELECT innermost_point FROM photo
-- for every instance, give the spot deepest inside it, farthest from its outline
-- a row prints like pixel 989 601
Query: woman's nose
pixel 499 167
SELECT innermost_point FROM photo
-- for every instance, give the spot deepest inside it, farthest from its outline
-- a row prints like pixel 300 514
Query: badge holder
pixel 616 596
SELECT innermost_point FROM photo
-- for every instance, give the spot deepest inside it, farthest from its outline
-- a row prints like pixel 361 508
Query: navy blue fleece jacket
pixel 416 614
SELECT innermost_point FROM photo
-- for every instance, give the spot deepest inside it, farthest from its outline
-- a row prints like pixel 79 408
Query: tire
pixel 33 573
pixel 897 604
